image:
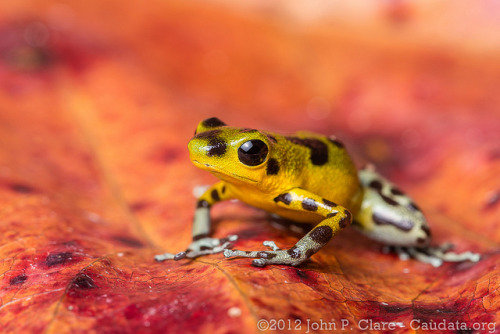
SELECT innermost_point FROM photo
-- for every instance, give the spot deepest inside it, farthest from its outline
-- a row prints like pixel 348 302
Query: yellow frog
pixel 307 178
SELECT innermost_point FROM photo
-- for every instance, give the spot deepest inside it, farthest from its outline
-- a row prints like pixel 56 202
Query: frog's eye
pixel 253 152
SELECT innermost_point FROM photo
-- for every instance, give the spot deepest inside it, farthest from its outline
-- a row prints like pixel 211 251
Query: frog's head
pixel 236 155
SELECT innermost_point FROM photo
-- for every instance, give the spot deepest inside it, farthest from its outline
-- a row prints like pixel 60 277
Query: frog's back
pixel 325 168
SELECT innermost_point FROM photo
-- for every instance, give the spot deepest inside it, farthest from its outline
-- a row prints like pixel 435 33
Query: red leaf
pixel 99 99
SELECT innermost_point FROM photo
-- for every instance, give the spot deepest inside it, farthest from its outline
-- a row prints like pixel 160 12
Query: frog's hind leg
pixel 389 216
pixel 436 255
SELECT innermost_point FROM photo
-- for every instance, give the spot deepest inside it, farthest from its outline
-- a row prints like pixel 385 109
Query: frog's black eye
pixel 253 152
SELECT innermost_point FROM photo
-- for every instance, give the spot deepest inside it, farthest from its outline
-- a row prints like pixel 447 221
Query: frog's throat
pixel 221 173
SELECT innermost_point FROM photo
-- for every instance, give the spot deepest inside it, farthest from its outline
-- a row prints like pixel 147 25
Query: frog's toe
pixel 207 246
pixel 442 253
pixel 436 255
pixel 263 254
pixel 290 257
pixel 259 263
pixel 235 253
pixel 163 257
pixel 420 255
pixel 180 255
pixel 271 245
pixel 204 246
pixel 170 256
pixel 227 241
pixel 223 247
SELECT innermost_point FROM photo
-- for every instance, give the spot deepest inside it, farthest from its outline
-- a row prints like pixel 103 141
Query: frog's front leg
pixel 202 244
pixel 336 218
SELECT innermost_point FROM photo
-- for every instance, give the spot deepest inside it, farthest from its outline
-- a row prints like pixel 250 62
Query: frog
pixel 307 178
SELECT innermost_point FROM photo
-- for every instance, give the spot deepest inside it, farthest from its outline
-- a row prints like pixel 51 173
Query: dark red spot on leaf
pixel 21 188
pixel 169 154
pixel 55 259
pixel 139 206
pixel 83 282
pixel 492 201
pixel 129 241
pixel 20 279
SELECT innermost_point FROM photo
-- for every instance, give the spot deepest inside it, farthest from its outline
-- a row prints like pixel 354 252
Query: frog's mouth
pixel 221 173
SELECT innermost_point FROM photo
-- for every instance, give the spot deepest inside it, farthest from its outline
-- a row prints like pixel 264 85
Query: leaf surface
pixel 99 99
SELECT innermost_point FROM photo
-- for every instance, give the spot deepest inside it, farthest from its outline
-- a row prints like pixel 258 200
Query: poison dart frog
pixel 307 178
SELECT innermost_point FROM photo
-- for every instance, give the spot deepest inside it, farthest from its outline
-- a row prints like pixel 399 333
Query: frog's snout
pixel 207 145
pixel 191 146
pixel 197 153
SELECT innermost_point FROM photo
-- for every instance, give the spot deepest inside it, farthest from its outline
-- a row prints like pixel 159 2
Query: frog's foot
pixel 436 255
pixel 292 257
pixel 200 247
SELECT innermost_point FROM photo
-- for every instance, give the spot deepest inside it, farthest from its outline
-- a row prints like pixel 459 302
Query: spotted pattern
pixel 309 253
pixel 309 204
pixel 329 203
pixel 216 147
pixel 247 130
pixel 212 122
pixel 321 234
pixel 273 167
pixel 404 224
pixel 336 142
pixel 414 207
pixel 200 236
pixel 319 150
pixel 397 192
pixel 426 230
pixel 294 252
pixel 331 215
pixel 388 200
pixel 271 138
pixel 422 241
pixel 208 134
pixel 202 204
pixel 377 185
pixel 285 198
pixel 215 195
pixel 266 255
pixel 345 221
